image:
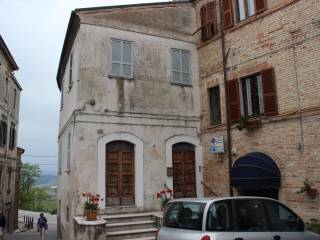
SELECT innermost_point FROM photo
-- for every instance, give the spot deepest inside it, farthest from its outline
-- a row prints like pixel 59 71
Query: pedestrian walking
pixel 2 225
pixel 42 226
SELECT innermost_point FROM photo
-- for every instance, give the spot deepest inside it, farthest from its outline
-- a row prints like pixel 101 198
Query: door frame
pixel 138 157
pixel 198 159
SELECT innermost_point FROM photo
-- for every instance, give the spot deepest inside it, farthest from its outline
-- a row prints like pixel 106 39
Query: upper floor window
pixel 12 140
pixel 258 95
pixel 121 58
pixel 70 71
pixel 60 155
pixel 180 65
pixel 69 151
pixel 243 9
pixel 252 95
pixel 208 20
pixel 14 98
pixel 214 105
pixel 6 91
pixel 3 133
pixel 9 180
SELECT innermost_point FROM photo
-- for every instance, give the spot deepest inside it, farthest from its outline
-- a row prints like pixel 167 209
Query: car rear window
pixel 185 215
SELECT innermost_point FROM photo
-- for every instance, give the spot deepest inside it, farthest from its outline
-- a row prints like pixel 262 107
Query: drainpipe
pixel 301 146
pixel 225 79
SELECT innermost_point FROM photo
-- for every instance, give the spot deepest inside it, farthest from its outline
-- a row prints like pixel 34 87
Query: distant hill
pixel 47 180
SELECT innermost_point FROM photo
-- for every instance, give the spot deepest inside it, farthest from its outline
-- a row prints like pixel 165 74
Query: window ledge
pixel 120 77
pixel 210 126
pixel 181 84
pixel 67 172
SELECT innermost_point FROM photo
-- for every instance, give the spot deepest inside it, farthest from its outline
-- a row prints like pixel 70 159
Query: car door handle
pixel 238 239
pixel 277 237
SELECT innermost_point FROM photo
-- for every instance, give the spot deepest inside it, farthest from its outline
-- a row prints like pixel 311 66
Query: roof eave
pixel 8 55
pixel 64 48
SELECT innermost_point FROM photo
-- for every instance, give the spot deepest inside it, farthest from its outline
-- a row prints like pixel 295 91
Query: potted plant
pixel 91 205
pixel 165 196
pixel 244 122
pixel 311 192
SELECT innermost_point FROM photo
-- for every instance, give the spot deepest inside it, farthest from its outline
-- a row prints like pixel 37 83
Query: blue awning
pixel 255 170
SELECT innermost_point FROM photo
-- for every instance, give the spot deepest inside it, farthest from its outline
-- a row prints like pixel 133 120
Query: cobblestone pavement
pixel 51 233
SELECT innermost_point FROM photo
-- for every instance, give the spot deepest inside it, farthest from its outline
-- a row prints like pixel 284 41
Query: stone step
pixel 132 217
pixel 132 234
pixel 112 227
pixel 144 238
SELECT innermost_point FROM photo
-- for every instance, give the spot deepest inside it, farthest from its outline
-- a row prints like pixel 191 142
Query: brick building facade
pixel 272 61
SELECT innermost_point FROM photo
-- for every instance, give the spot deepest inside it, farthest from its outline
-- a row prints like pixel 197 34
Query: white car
pixel 237 218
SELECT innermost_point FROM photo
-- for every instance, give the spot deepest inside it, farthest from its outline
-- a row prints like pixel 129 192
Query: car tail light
pixel 157 235
pixel 205 237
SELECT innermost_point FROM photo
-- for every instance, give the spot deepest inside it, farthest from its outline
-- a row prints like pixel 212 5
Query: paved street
pixel 51 234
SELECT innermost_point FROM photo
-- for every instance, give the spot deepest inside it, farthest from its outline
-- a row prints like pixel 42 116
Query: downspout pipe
pixel 225 80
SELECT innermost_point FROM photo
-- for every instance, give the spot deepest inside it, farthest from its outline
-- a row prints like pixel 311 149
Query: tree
pixel 29 176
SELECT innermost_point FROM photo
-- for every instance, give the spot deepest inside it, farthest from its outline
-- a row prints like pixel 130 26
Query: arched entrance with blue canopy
pixel 256 174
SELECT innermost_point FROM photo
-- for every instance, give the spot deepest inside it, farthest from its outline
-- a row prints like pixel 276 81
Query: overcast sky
pixel 34 31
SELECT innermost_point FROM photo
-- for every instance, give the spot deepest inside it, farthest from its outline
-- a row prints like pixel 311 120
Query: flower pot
pixel 91 215
pixel 253 124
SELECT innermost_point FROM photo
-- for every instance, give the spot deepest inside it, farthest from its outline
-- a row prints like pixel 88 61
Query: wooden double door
pixel 184 173
pixel 120 174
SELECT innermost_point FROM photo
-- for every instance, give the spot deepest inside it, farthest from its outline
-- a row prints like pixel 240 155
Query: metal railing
pixel 28 222
pixel 209 189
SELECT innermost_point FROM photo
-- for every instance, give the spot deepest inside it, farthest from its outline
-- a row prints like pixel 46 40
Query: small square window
pixel 180 66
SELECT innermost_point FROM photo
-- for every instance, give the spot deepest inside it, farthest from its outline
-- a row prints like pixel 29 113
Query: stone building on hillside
pixel 130 108
pixel 272 62
pixel 9 121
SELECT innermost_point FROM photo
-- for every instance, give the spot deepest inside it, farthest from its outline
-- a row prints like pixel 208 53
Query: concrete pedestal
pixel 89 230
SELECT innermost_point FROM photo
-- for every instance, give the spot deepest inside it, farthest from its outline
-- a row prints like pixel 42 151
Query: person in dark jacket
pixel 2 225
pixel 42 225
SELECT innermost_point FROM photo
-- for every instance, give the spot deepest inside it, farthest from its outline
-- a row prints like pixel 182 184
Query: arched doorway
pixel 256 174
pixel 120 174
pixel 184 174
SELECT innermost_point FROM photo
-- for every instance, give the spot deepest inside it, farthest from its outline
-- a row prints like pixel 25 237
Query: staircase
pixel 133 226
